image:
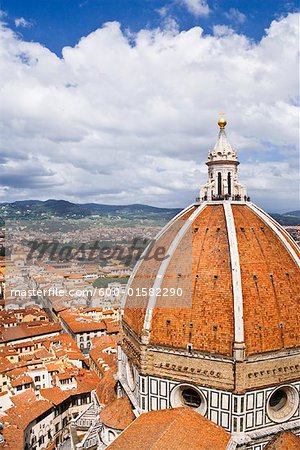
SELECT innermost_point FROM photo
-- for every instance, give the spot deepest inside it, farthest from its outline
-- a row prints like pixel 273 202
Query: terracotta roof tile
pixel 55 395
pixel 26 413
pixel 117 414
pixel 106 389
pixel 13 435
pixel 25 331
pixel 179 429
pixel 24 398
pixel 284 441
pixel 79 323
pixel 26 379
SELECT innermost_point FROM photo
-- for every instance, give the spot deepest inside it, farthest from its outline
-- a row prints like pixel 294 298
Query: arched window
pixel 219 183
pixel 229 183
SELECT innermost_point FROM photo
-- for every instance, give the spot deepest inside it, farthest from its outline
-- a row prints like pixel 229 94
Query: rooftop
pixel 284 441
pixel 106 389
pixel 79 322
pixel 25 331
pixel 117 414
pixel 179 429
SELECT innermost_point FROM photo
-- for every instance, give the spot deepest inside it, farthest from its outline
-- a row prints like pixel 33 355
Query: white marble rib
pixel 236 275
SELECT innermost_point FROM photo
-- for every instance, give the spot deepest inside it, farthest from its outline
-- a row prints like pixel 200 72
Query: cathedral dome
pixel 236 277
pixel 222 277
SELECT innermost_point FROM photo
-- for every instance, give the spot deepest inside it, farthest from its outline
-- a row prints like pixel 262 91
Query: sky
pixel 117 101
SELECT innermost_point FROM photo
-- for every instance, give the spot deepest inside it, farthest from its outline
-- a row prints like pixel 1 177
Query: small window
pixel 242 424
pixel 235 404
pixel 235 424
pixel 242 404
pixel 143 402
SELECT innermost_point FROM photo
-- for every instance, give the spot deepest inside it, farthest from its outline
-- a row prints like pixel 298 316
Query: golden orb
pixel 222 122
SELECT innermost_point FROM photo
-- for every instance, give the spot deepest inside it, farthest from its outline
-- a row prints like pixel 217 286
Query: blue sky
pixel 57 23
pixel 117 101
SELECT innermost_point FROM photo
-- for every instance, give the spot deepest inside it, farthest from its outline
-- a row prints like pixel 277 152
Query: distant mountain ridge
pixel 63 208
pixel 289 218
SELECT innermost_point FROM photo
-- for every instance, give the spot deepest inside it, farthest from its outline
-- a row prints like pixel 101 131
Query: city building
pixel 45 384
pixel 225 338
pixel 44 421
pixel 83 326
pixel 30 331
pixel 103 355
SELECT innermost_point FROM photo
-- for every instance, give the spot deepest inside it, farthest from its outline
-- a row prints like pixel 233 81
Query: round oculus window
pixel 188 395
pixel 282 403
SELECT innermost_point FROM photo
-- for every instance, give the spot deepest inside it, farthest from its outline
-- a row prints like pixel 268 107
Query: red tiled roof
pixel 26 413
pixel 117 414
pixel 98 354
pixel 21 381
pixel 25 331
pixel 284 441
pixel 176 429
pixel 78 323
pixel 53 367
pixel 24 398
pixel 108 312
pixel 106 389
pixel 112 326
pixel 65 376
pixel 55 395
pixel 13 435
pixel 5 364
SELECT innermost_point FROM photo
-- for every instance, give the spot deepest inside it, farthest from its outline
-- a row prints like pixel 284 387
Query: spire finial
pixel 222 183
pixel 222 121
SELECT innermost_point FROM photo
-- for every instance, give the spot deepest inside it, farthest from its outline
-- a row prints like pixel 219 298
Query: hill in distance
pixel 33 209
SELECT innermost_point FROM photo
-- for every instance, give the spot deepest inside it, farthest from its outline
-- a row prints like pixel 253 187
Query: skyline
pixel 128 114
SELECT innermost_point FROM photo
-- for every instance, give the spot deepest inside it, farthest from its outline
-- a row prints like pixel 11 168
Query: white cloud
pixel 222 30
pixel 198 8
pixel 130 118
pixel 235 15
pixel 163 11
pixel 23 23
